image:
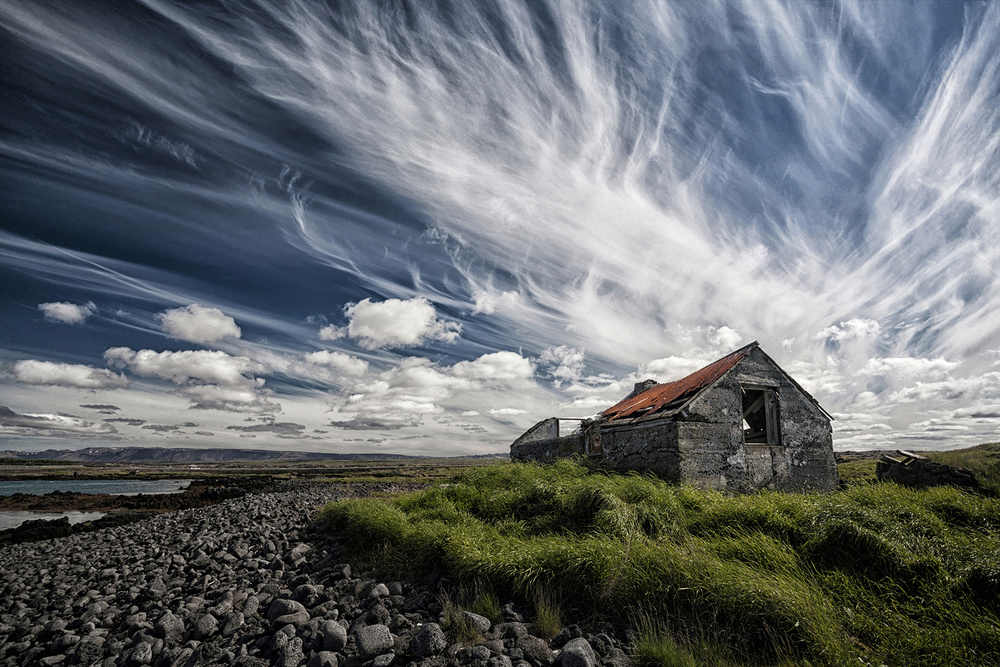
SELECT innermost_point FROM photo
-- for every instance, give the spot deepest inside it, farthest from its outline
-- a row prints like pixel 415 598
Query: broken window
pixel 760 416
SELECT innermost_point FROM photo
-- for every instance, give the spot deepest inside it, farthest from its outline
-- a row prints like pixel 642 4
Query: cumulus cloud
pixel 417 388
pixel 563 362
pixel 488 302
pixel 52 425
pixel 725 338
pixel 668 369
pixel 67 313
pixel 210 366
pixel 502 366
pixel 251 397
pixel 213 380
pixel 395 322
pixel 49 373
pixel 854 329
pixel 198 324
pixel 341 363
pixel 330 332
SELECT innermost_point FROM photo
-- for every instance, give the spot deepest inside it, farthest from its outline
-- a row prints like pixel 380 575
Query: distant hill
pixel 191 455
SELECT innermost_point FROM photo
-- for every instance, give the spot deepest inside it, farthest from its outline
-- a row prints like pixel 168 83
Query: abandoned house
pixel 738 424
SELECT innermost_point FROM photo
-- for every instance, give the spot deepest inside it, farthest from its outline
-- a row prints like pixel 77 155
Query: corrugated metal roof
pixel 674 394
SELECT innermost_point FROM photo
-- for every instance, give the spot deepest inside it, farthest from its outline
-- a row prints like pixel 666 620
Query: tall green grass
pixel 882 573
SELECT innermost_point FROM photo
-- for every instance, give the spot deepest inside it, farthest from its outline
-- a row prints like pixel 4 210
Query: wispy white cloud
pixel 819 177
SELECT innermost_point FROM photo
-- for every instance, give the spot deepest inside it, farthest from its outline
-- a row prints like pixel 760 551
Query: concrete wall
pixel 547 450
pixel 704 443
pixel 649 447
pixel 803 461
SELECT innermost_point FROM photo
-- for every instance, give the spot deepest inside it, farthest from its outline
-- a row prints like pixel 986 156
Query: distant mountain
pixel 187 455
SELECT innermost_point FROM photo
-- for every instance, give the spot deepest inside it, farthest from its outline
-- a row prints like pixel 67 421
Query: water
pixel 116 487
pixel 13 519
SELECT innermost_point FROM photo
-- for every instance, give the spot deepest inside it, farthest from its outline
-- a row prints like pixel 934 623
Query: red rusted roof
pixel 674 394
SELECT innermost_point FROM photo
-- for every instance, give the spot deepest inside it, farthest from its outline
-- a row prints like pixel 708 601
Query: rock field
pixel 246 582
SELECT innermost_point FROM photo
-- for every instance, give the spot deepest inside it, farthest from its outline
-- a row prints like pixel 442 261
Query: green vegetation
pixel 861 471
pixel 34 462
pixel 877 572
pixel 983 460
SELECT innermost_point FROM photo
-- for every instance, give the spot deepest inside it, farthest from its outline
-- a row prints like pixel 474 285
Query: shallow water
pixel 16 518
pixel 117 487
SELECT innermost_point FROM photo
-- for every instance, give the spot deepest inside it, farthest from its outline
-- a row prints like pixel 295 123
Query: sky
pixel 421 227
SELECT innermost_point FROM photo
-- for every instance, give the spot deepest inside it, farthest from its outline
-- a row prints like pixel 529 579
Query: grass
pixel 879 573
pixel 983 460
pixel 548 614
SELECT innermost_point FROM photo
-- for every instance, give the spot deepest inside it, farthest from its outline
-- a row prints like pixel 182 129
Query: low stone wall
pixel 547 450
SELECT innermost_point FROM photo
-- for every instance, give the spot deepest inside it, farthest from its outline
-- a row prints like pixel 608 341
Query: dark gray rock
pixel 283 608
pixel 232 624
pixel 334 636
pixel 429 641
pixel 295 620
pixel 480 623
pixel 141 654
pixel 511 630
pixel 291 655
pixel 373 640
pixel 323 659
pixel 535 650
pixel 169 627
pixel 250 606
pixel 204 627
pixel 578 653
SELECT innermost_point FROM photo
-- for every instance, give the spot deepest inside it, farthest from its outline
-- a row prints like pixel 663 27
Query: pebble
pixel 244 582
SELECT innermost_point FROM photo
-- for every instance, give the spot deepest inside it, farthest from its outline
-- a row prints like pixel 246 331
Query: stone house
pixel 738 424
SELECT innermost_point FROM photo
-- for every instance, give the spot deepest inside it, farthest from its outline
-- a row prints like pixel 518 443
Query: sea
pixel 116 487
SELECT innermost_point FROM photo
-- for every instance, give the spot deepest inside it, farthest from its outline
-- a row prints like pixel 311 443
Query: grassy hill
pixel 876 573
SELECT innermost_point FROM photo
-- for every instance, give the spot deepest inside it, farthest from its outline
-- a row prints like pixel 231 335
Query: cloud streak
pixel 401 211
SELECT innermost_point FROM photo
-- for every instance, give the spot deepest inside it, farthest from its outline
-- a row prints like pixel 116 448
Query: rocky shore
pixel 246 582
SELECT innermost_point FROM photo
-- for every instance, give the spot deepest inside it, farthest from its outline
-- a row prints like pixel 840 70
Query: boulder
pixel 373 640
pixel 429 641
pixel 578 653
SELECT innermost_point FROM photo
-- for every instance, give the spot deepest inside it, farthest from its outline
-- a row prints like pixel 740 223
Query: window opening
pixel 760 416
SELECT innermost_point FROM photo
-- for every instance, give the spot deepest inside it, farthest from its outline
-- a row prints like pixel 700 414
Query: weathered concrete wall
pixel 710 454
pixel 803 461
pixel 650 447
pixel 547 429
pixel 547 450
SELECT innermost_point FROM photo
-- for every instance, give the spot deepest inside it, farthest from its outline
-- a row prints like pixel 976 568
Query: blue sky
pixel 421 227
